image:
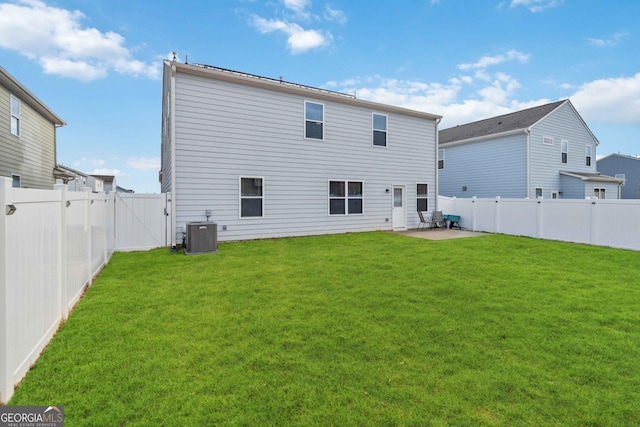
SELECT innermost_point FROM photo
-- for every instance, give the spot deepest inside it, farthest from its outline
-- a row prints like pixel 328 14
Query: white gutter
pixel 528 132
pixel 172 122
pixel 480 138
pixel 436 165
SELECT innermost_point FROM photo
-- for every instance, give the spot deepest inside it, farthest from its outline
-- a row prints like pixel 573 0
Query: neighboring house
pixel 626 168
pixel 27 136
pixel 78 181
pixel 267 158
pixel 546 151
pixel 109 182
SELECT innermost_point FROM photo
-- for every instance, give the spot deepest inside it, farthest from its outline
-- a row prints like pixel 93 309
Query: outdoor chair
pixel 438 220
pixel 424 223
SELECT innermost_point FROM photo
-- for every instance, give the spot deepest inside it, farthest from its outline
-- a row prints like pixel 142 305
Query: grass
pixel 359 329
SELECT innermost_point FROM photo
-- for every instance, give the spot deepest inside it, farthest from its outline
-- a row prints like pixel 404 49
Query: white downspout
pixel 172 122
pixel 436 157
pixel 528 132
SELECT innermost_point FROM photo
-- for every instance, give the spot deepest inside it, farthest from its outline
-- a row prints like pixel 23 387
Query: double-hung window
pixel 313 120
pixel 15 116
pixel 587 155
pixel 422 191
pixel 345 197
pixel 564 148
pixel 441 159
pixel 599 193
pixel 380 130
pixel 251 197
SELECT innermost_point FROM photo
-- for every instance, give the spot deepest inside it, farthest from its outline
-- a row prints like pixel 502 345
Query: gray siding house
pixel 27 136
pixel 267 158
pixel 626 168
pixel 546 151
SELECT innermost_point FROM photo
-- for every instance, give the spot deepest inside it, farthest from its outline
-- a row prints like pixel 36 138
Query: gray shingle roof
pixel 522 119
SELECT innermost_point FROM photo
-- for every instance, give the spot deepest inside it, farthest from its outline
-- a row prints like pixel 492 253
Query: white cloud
pixel 613 41
pixel 144 163
pixel 537 5
pixel 56 39
pixel 335 15
pixel 296 5
pixel 614 100
pixel 299 40
pixel 487 61
pixel 105 171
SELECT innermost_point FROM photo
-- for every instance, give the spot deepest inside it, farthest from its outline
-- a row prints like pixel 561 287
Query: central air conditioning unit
pixel 202 238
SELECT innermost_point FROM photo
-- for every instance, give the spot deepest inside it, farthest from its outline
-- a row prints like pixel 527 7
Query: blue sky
pixel 97 63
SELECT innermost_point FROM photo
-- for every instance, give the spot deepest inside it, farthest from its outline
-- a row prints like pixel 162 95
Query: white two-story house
pixel 546 151
pixel 266 158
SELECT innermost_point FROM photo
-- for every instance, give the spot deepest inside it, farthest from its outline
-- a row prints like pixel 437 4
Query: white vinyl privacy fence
pixel 614 223
pixel 52 244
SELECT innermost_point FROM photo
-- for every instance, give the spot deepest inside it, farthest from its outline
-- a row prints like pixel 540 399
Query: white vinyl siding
pixel 379 123
pixel 225 130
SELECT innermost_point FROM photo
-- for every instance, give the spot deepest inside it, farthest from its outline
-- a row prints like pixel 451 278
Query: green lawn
pixel 358 329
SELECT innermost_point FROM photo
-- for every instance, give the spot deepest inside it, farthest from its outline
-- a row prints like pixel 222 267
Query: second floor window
pixel 441 159
pixel 587 155
pixel 380 130
pixel 15 116
pixel 564 148
pixel 313 120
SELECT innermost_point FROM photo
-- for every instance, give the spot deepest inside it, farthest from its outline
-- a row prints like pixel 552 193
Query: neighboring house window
pixel 422 191
pixel 622 177
pixel 17 181
pixel 587 155
pixel 547 140
pixel 599 193
pixel 538 192
pixel 441 159
pixel 15 116
pixel 345 197
pixel 564 148
pixel 379 130
pixel 251 197
pixel 314 120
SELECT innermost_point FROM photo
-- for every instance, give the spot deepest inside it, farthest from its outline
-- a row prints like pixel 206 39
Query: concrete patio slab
pixel 439 234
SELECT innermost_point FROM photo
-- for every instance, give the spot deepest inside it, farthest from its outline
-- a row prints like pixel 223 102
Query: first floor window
pixel 422 190
pixel 587 155
pixel 15 116
pixel 17 181
pixel 251 197
pixel 380 130
pixel 313 120
pixel 538 192
pixel 441 159
pixel 599 193
pixel 345 197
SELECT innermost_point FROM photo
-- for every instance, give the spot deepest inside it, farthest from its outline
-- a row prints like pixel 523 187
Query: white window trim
pixel 545 140
pixel 386 130
pixel 441 150
pixel 422 197
pixel 304 123
pixel 240 197
pixel 11 115
pixel 588 154
pixel 564 141
pixel 346 197
pixel 15 175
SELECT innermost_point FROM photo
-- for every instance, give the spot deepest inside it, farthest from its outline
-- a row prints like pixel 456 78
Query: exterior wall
pixel 487 168
pixel 32 154
pixel 629 166
pixel 225 131
pixel 572 188
pixel 165 150
pixel 546 160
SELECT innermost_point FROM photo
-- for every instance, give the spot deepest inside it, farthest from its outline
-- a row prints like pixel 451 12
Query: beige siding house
pixel 27 136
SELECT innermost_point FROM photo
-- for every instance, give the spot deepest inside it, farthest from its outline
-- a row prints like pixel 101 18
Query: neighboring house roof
pixel 25 95
pixel 595 177
pixel 105 178
pixel 624 156
pixel 288 87
pixel 519 121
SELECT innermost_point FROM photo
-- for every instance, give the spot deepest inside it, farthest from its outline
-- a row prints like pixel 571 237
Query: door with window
pixel 399 208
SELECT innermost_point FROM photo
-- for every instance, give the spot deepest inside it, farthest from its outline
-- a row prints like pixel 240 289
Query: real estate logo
pixel 31 416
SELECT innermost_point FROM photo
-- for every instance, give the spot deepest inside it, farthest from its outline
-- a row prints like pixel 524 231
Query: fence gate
pixel 142 221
